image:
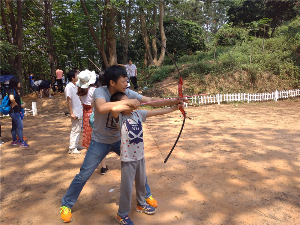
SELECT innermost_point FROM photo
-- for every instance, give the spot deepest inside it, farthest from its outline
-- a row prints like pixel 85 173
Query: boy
pixel 105 134
pixel 133 168
pixel 75 109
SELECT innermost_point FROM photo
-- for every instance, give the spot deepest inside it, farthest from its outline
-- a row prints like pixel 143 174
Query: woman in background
pixel 86 87
pixel 15 112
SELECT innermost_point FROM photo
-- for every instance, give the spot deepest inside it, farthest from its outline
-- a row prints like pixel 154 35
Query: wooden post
pixel 34 109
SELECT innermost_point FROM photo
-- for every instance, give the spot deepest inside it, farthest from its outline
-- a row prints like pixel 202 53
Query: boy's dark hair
pixel 13 83
pixel 112 73
pixel 117 96
pixel 71 74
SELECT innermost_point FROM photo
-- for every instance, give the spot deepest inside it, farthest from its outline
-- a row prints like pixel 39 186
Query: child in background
pixel 75 109
pixel 133 168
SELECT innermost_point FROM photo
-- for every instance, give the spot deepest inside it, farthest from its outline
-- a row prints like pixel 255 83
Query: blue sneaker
pixel 15 142
pixel 148 209
pixel 124 220
pixel 23 144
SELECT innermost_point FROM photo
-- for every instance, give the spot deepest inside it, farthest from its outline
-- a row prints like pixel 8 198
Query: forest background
pixel 219 45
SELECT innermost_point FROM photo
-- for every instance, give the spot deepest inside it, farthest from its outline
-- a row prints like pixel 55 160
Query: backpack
pixel 91 120
pixel 5 105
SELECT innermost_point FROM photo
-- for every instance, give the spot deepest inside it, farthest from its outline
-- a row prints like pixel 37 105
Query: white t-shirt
pixel 130 69
pixel 87 99
pixel 71 92
pixel 132 141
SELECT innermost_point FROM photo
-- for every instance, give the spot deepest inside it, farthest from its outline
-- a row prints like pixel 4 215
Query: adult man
pixel 59 75
pixel 105 135
pixel 132 73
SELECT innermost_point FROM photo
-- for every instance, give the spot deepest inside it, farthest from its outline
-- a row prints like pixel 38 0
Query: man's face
pixel 121 84
pixel 75 79
pixel 130 62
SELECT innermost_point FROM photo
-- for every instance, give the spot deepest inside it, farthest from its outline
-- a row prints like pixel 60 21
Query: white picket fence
pixel 219 98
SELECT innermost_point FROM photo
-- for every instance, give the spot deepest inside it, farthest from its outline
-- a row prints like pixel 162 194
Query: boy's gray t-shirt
pixel 105 129
pixel 132 141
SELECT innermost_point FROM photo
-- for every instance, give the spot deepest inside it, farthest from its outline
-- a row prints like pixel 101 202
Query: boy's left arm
pixel 161 102
pixel 164 110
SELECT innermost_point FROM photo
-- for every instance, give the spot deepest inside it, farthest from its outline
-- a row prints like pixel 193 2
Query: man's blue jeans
pixel 16 126
pixel 95 154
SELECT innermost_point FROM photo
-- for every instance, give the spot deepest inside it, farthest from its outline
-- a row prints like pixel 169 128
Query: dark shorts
pixel 45 84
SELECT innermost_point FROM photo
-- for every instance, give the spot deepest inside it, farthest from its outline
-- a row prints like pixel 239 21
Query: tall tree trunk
pixel 100 47
pixel 47 24
pixel 110 34
pixel 19 34
pixel 162 33
pixel 4 21
pixel 12 22
pixel 146 39
pixel 128 18
pixel 154 46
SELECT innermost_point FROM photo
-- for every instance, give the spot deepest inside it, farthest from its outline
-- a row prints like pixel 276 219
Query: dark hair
pixel 117 96
pixel 71 74
pixel 112 73
pixel 82 91
pixel 13 83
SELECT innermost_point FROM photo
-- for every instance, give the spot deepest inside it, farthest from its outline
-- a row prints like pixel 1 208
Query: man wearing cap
pixel 75 109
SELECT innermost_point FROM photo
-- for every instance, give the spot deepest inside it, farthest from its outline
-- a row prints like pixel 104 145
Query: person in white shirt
pixel 131 73
pixel 75 109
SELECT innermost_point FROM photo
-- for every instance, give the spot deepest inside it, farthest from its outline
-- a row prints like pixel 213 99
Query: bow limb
pixel 180 95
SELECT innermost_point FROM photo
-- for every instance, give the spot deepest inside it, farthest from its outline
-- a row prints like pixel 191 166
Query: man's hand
pixel 180 100
pixel 73 116
pixel 133 103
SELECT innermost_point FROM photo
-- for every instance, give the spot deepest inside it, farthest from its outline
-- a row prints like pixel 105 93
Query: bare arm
pixel 103 107
pixel 12 100
pixel 163 111
pixel 120 107
pixel 161 102
pixel 69 104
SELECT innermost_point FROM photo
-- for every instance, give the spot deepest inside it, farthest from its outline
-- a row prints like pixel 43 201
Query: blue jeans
pixel 95 154
pixel 16 126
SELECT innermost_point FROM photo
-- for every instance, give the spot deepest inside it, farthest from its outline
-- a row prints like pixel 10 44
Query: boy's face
pixel 126 112
pixel 75 79
pixel 130 62
pixel 120 86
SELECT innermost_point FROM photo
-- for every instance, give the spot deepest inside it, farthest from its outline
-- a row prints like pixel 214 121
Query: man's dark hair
pixel 71 74
pixel 117 96
pixel 112 73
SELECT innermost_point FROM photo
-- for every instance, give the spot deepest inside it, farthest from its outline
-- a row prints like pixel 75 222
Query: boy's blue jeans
pixel 16 126
pixel 95 154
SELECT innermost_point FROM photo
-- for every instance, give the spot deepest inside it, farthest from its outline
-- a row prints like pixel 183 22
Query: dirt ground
pixel 234 164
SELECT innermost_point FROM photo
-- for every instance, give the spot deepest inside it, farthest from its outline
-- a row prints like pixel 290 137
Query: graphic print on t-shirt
pixel 110 123
pixel 135 131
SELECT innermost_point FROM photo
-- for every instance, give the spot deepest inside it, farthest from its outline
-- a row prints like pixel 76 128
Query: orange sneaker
pixel 65 214
pixel 151 201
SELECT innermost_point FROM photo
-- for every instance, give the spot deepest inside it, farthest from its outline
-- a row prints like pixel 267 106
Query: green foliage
pixel 229 35
pixel 183 37
pixel 8 52
pixel 280 57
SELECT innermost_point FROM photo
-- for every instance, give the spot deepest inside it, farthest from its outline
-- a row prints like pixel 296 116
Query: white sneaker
pixel 80 147
pixel 74 151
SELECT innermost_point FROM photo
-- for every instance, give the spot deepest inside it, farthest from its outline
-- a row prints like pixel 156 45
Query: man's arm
pixel 161 102
pixel 103 107
pixel 69 104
